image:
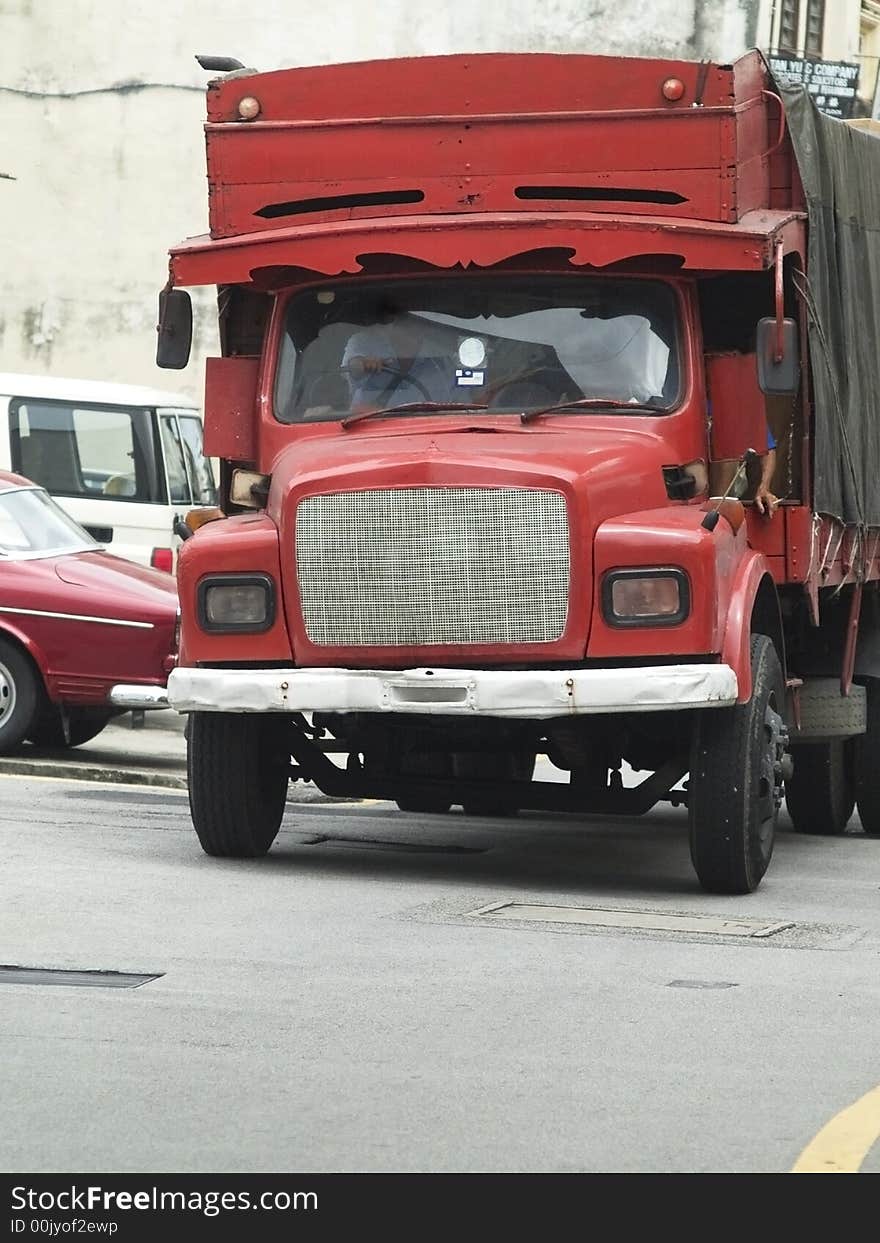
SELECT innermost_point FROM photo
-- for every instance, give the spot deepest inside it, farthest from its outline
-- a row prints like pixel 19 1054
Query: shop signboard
pixel 832 84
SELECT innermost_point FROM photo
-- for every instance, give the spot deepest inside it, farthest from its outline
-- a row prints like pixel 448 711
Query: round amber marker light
pixel 248 108
pixel 673 89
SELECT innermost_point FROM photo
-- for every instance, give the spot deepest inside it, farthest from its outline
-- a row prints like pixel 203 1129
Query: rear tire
pixel 735 787
pixel 238 766
pixel 866 757
pixel 20 693
pixel 85 724
pixel 820 794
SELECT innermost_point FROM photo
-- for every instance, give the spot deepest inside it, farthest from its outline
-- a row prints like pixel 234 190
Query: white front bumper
pixel 529 693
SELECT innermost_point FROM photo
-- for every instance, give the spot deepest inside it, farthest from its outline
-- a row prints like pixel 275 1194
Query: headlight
pixel 236 602
pixel 646 597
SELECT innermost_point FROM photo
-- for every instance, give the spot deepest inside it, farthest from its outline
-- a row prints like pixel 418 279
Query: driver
pixel 392 362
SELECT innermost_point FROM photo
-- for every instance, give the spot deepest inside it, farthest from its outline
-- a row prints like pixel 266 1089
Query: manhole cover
pixel 74 979
pixel 609 917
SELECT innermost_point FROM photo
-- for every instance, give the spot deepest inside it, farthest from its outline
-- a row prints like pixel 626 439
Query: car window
pixel 85 451
pixel 31 524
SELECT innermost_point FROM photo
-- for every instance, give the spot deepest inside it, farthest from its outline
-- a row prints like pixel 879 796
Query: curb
pixel 87 772
pixel 298 793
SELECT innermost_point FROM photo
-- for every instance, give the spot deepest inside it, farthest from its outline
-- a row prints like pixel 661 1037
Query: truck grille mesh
pixel 411 566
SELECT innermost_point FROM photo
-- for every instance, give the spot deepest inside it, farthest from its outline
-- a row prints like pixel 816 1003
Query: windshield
pixel 33 525
pixel 509 344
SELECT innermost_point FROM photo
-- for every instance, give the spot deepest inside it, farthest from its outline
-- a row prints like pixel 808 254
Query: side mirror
pixel 778 376
pixel 174 329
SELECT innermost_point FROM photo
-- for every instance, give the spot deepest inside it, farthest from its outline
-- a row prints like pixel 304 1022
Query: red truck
pixel 505 342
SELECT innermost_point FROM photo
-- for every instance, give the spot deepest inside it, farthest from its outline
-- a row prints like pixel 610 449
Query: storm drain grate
pixel 609 917
pixel 75 979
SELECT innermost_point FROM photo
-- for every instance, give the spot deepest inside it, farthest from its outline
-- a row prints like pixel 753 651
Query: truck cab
pixel 505 341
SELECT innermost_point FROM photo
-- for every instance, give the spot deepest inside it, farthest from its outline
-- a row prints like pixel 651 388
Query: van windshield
pixel 508 344
pixel 32 525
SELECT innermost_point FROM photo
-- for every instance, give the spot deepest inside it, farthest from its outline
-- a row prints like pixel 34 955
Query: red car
pixel 83 635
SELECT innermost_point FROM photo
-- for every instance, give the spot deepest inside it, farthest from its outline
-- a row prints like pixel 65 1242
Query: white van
pixel 123 461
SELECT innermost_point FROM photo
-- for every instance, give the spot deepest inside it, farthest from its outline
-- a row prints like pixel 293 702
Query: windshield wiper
pixel 583 403
pixel 413 407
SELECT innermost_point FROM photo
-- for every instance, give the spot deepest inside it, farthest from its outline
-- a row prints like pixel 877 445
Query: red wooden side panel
pixel 738 407
pixel 230 397
pixel 478 133
pixel 479 83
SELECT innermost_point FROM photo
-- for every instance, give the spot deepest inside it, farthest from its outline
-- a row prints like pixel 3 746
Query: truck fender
pixel 754 608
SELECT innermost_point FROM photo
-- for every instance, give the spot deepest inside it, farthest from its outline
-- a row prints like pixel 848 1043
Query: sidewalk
pixel 153 754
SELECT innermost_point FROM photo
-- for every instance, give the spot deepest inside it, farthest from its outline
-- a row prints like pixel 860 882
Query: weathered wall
pixel 102 108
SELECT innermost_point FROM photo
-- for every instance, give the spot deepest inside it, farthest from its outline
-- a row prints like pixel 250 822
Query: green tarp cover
pixel 840 169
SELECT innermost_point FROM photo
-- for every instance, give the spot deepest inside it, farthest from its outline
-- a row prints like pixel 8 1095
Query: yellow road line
pixel 844 1142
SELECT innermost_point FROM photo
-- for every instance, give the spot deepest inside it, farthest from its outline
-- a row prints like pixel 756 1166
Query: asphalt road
pixel 341 1006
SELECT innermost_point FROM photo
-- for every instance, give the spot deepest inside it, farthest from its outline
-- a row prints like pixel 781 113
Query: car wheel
pixel 735 787
pixel 19 696
pixel 820 793
pixel 84 725
pixel 238 766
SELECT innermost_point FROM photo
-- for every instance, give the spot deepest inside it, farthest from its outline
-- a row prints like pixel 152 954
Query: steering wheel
pixel 399 378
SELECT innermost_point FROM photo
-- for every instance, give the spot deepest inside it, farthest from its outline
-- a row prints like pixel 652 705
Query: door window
pixel 85 451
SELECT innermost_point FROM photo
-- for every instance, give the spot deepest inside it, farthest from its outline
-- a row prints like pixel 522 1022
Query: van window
pixel 178 483
pixel 204 489
pixel 86 451
pixel 190 479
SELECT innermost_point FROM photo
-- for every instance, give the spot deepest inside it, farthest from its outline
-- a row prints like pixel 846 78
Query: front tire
pixel 735 784
pixel 20 692
pixel 238 768
pixel 820 794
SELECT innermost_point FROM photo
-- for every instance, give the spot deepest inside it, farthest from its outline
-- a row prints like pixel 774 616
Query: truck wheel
pixel 820 794
pixel 866 755
pixel 238 770
pixel 19 696
pixel 499 769
pixel 735 787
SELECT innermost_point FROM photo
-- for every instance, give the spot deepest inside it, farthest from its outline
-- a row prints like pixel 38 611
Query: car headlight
pixel 236 602
pixel 646 597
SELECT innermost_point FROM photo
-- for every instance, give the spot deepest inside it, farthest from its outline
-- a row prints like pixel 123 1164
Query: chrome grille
pixel 411 566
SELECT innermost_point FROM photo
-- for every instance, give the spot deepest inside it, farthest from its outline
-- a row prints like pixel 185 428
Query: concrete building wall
pixel 102 111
